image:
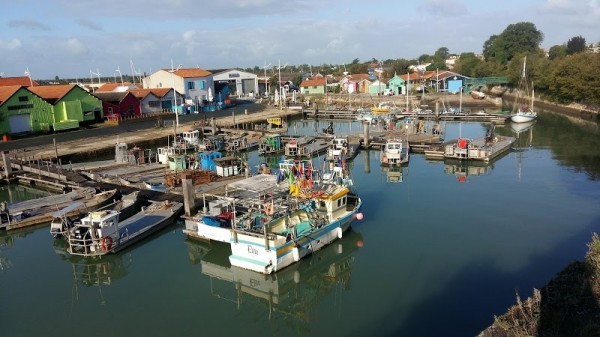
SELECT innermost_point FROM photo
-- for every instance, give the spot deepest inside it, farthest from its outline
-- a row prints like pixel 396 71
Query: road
pixel 102 130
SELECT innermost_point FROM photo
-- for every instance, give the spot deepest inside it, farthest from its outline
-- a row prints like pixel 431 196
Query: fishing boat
pixel 395 152
pixel 524 113
pixel 44 215
pixel 281 235
pixel 271 144
pixel 341 149
pixel 294 149
pixel 66 218
pixel 482 149
pixel 101 232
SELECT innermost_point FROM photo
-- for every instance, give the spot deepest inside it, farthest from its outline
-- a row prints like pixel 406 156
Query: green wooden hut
pixel 377 87
pixel 71 105
pixel 22 111
pixel 397 85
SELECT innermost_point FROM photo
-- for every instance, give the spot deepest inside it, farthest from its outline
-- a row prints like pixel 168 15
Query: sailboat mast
pixel 532 96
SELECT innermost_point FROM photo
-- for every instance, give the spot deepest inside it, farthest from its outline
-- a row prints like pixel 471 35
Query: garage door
pixel 248 86
pixel 19 123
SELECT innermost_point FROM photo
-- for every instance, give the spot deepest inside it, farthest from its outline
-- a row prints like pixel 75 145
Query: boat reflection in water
pixel 463 171
pixel 6 242
pixel 94 272
pixel 395 173
pixel 291 292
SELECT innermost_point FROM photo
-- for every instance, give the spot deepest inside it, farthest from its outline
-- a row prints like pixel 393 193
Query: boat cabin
pixel 191 137
pixel 228 166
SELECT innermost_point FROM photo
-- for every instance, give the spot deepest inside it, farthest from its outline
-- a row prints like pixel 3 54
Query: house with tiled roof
pixel 195 83
pixel 22 111
pixel 156 100
pixel 313 86
pixel 71 105
pixel 119 105
pixel 24 81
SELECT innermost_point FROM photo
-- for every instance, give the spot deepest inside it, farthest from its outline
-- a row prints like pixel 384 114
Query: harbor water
pixel 442 248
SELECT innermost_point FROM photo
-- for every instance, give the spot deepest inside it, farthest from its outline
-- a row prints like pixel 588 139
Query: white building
pixel 193 83
pixel 240 83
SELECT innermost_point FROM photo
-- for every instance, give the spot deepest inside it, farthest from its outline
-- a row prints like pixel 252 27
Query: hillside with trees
pixel 567 73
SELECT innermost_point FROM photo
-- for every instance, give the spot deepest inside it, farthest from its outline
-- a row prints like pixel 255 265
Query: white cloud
pixel 74 47
pixel 10 45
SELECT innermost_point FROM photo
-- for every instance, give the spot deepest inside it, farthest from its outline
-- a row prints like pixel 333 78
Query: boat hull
pixel 523 117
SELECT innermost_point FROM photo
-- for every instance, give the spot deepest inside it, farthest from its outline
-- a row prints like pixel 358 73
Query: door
pixel 19 123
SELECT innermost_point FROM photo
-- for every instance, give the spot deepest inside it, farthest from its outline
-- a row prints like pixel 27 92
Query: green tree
pixel 557 51
pixel 466 64
pixel 488 48
pixel 576 78
pixel 575 45
pixel 522 37
pixel 442 53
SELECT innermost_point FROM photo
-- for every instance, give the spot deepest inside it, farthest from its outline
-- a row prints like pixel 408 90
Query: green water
pixel 439 253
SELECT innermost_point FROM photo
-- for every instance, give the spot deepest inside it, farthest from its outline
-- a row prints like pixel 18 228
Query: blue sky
pixel 68 38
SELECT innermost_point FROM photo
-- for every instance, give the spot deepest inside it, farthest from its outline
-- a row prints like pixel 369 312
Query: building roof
pixel 142 93
pixel 21 80
pixel 52 93
pixel 112 96
pixel 417 76
pixel 115 87
pixel 315 82
pixel 191 72
pixel 7 92
pixel 359 77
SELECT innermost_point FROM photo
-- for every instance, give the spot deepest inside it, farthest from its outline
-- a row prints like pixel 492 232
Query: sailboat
pixel 525 113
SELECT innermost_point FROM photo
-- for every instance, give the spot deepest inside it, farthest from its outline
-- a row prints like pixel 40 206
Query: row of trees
pixel 568 73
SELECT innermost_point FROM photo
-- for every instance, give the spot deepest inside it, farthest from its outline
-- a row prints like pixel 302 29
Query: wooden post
pixel 7 167
pixel 366 134
pixel 188 193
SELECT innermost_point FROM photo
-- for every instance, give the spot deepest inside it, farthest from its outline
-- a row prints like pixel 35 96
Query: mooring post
pixel 437 109
pixel 366 134
pixel 213 122
pixel 7 167
pixel 189 203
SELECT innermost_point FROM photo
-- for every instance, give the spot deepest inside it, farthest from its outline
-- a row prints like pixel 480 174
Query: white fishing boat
pixel 101 232
pixel 395 152
pixel 341 149
pixel 66 218
pixel 524 113
pixel 273 221
pixel 269 245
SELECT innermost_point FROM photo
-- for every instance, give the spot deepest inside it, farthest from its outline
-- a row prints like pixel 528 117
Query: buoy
pixel 340 232
pixel 340 248
pixel 359 216
pixel 296 277
pixel 359 244
pixel 296 254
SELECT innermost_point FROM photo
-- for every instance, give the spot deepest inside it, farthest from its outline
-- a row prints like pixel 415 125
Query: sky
pixel 71 38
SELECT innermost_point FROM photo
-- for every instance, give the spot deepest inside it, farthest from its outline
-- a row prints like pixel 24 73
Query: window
pixel 191 85
pixel 20 107
pixel 130 110
pixel 110 110
pixel 202 84
pixel 154 104
pixel 23 98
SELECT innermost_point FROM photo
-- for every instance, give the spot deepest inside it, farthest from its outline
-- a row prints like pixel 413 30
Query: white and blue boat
pixel 271 223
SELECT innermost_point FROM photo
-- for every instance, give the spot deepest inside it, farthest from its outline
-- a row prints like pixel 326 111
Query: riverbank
pixel 569 305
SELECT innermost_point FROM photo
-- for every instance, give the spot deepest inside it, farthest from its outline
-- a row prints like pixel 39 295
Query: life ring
pixel 106 243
